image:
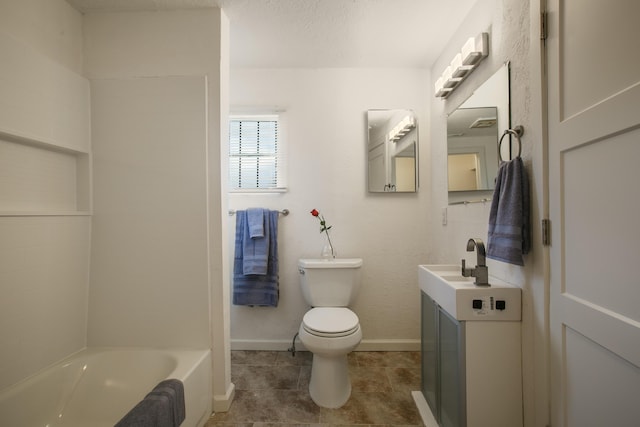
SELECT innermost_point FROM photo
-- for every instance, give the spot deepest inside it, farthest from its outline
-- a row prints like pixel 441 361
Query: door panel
pixel 588 406
pixel 597 223
pixel 594 149
pixel 592 42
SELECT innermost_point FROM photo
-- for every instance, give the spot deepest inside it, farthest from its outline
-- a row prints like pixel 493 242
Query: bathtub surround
pixel 154 241
pixel 158 101
pixel 44 253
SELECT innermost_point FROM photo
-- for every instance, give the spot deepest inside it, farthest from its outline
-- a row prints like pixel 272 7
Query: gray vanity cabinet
pixel 443 364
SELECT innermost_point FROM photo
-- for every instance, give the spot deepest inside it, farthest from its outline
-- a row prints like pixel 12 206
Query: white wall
pixel 149 266
pixel 43 252
pixel 50 27
pixel 513 37
pixel 325 131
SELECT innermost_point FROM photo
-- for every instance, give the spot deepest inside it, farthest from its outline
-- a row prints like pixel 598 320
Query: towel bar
pixel 467 202
pixel 284 212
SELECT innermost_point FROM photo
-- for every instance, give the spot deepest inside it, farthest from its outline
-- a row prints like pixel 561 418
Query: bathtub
pixel 97 387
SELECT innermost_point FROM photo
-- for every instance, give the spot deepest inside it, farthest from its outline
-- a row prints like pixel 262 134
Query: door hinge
pixel 546 232
pixel 543 25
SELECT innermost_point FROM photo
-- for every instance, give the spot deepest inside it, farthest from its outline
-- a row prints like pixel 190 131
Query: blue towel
pixel 509 222
pixel 255 220
pixel 174 390
pixel 256 289
pixel 255 248
pixel 164 406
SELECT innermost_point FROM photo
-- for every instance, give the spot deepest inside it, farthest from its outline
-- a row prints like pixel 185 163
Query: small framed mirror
pixel 473 132
pixel 392 148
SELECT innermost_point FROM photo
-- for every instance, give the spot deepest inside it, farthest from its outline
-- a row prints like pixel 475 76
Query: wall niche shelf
pixel 42 178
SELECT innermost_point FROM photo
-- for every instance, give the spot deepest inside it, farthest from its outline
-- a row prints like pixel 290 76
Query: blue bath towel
pixel 164 406
pixel 509 222
pixel 256 289
pixel 255 240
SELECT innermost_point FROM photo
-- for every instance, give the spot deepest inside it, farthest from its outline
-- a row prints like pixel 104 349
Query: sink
pixel 463 300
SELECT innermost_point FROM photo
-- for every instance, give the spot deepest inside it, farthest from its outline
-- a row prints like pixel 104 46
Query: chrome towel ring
pixel 518 131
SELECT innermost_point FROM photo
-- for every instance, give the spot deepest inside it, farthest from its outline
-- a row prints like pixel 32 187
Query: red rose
pixel 315 212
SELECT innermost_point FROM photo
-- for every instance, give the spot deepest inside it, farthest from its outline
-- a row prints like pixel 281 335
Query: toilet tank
pixel 329 282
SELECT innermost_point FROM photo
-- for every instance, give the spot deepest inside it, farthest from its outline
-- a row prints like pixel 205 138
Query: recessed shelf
pixel 36 141
pixel 42 179
pixel 52 213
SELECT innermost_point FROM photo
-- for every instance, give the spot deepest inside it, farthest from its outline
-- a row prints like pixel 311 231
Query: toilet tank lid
pixel 330 263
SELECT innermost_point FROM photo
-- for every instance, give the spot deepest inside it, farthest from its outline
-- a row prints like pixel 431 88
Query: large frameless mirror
pixel 392 148
pixel 473 132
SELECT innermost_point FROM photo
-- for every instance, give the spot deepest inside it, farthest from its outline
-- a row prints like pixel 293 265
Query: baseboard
pixel 389 345
pixel 265 345
pixel 365 345
pixel 222 402
pixel 423 407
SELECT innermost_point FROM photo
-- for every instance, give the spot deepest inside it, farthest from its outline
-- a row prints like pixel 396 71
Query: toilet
pixel 330 330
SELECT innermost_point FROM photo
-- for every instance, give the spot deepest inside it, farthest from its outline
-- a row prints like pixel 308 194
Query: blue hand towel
pixel 255 220
pixel 255 250
pixel 509 223
pixel 256 289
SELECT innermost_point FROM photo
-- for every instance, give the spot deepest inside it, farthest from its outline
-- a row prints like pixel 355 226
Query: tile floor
pixel 272 389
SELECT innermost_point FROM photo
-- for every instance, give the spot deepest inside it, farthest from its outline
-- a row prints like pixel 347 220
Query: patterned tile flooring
pixel 272 390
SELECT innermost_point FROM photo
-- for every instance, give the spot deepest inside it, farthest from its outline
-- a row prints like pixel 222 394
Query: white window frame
pixel 280 155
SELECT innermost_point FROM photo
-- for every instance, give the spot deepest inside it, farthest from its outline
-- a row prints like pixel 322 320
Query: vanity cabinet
pixel 471 370
pixel 443 364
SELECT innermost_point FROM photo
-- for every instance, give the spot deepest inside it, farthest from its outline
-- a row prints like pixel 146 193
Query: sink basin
pixel 463 300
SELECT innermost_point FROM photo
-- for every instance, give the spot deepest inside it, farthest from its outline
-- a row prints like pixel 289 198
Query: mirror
pixel 473 132
pixel 392 147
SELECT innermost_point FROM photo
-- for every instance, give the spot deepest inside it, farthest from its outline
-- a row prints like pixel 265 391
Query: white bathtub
pixel 97 387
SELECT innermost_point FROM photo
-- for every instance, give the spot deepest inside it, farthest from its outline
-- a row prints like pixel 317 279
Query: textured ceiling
pixel 323 33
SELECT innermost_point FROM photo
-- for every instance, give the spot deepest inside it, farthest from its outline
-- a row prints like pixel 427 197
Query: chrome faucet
pixel 480 272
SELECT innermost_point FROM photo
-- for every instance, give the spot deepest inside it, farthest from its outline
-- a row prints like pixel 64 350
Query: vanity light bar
pixel 402 128
pixel 473 52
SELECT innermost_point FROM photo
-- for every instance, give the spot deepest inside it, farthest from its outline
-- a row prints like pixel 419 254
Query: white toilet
pixel 330 330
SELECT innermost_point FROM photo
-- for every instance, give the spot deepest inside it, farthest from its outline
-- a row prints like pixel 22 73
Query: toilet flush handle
pixel 301 270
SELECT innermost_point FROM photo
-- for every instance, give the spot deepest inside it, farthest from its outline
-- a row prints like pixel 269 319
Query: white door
pixel 594 200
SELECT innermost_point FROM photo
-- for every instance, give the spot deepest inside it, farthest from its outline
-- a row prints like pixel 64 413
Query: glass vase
pixel 327 252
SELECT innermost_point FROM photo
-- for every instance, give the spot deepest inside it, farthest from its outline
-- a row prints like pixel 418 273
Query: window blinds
pixel 254 157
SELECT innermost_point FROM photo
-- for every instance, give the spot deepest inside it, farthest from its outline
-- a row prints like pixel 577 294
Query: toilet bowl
pixel 329 329
pixel 330 333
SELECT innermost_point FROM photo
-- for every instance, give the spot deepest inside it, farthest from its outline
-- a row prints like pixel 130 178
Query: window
pixel 255 154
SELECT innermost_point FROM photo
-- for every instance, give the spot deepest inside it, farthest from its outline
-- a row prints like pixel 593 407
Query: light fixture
pixel 474 50
pixel 483 122
pixel 402 128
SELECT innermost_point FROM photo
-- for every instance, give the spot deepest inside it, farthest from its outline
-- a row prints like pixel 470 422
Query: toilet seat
pixel 330 322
